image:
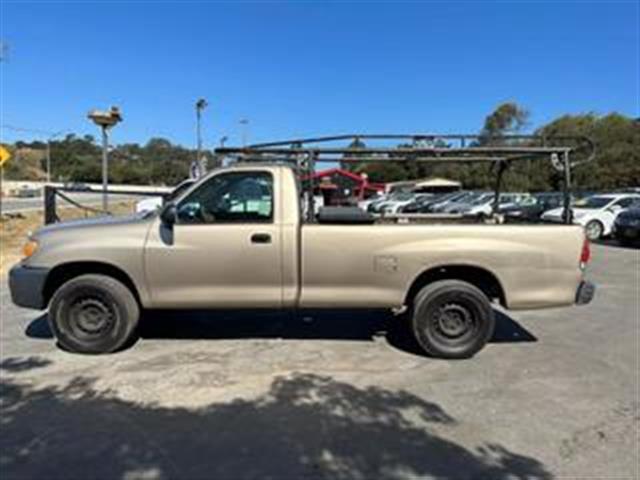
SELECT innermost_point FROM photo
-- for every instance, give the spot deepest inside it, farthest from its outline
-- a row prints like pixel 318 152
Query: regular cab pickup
pixel 236 240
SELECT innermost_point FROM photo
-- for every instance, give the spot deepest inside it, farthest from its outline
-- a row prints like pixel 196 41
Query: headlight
pixel 29 248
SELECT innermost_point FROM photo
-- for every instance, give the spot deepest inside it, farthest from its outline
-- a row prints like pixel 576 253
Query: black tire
pixel 452 319
pixel 93 314
pixel 593 230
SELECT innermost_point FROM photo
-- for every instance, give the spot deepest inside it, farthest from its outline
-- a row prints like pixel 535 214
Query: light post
pixel 105 120
pixel 219 159
pixel 201 104
pixel 244 122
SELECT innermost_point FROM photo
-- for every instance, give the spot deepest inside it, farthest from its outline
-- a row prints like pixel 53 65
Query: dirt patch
pixel 16 227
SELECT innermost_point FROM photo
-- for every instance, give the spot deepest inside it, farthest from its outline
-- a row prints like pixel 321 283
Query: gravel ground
pixel 331 395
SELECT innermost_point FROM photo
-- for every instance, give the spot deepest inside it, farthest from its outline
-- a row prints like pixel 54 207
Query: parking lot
pixel 331 395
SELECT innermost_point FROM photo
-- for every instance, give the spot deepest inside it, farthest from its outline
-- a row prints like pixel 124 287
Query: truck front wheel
pixel 93 314
pixel 452 319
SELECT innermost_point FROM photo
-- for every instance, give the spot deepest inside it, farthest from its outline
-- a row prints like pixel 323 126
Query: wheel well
pixel 65 272
pixel 476 276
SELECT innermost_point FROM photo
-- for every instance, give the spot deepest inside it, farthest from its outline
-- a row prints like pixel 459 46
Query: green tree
pixel 507 118
pixel 617 159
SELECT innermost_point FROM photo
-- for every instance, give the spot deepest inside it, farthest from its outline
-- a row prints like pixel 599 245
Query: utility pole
pixel 219 159
pixel 201 104
pixel 106 121
pixel 245 123
pixel 49 137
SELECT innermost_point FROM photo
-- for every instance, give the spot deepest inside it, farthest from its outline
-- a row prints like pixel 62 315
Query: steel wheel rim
pixel 454 322
pixel 91 317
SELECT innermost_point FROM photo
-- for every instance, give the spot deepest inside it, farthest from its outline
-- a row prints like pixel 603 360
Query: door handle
pixel 260 238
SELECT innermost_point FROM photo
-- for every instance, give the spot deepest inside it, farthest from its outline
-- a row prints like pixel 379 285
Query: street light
pixel 201 104
pixel 105 120
pixel 244 122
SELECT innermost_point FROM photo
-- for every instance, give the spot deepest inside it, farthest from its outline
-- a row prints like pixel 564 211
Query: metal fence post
pixel 501 166
pixel 567 213
pixel 50 205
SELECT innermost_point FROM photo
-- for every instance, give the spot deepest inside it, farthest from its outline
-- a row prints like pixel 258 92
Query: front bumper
pixel 27 286
pixel 585 293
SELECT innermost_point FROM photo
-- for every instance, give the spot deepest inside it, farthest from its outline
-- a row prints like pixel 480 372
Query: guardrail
pixel 52 193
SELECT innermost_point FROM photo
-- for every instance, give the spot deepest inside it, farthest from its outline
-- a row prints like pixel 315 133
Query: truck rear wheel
pixel 93 314
pixel 452 319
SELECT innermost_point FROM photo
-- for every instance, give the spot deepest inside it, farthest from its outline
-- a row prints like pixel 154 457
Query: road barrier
pixel 51 195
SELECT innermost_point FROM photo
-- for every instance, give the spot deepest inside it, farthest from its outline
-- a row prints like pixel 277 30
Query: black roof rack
pixel 501 151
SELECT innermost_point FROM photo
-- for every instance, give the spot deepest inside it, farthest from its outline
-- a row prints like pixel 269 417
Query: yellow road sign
pixel 4 155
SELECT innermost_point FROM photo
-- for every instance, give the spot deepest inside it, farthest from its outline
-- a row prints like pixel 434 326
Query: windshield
pixel 463 197
pixel 482 199
pixel 593 202
pixel 401 197
pixel 180 189
pixel 448 196
pixel 425 199
pixel 509 197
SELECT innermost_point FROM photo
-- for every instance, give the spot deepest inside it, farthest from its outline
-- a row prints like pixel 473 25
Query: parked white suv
pixel 595 213
pixel 153 203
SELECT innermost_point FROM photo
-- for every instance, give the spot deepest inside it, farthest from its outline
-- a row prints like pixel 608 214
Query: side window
pixel 626 202
pixel 234 197
pixel 557 202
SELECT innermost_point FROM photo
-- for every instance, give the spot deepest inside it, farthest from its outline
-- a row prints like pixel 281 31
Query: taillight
pixel 585 255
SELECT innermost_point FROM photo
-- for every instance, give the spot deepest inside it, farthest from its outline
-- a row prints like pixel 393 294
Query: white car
pixel 153 203
pixel 394 206
pixel 595 213
pixel 484 204
pixel 364 204
pixel 455 202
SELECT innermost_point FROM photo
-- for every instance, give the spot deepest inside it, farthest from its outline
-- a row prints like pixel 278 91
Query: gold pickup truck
pixel 236 240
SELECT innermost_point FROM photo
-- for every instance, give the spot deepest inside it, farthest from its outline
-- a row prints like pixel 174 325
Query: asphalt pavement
pixel 341 395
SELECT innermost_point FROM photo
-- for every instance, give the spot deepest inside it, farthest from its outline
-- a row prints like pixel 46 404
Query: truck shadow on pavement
pixel 350 325
pixel 302 426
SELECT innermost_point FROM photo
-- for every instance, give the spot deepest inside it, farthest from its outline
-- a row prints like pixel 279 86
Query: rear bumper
pixel 585 293
pixel 27 286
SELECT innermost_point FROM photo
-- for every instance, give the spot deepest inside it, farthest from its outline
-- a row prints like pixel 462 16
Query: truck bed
pixel 375 265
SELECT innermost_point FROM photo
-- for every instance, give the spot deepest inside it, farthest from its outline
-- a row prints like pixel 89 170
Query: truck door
pixel 223 251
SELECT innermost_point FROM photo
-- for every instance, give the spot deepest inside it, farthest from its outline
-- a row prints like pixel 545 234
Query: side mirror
pixel 168 214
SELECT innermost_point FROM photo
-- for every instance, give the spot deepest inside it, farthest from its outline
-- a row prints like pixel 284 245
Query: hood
pixel 94 222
